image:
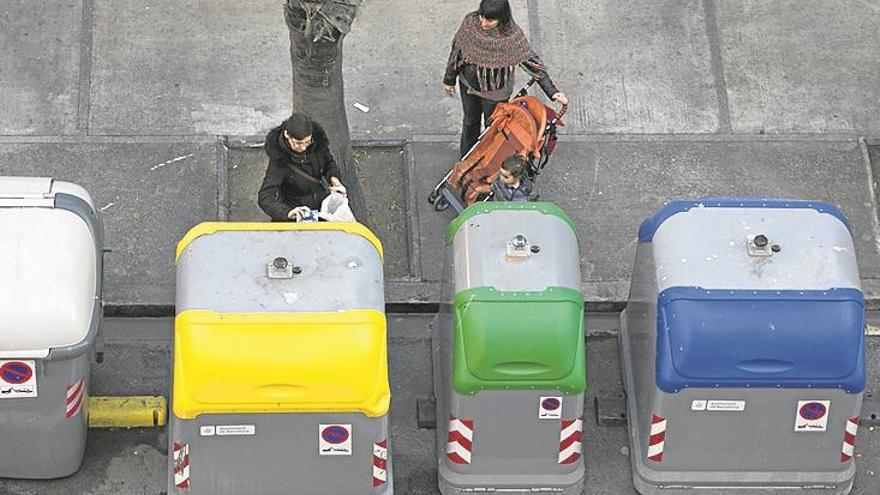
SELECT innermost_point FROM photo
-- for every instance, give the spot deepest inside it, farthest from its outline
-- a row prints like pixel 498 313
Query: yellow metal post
pixel 127 412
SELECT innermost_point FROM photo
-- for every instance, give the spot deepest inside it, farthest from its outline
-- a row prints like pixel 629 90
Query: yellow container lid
pixel 208 228
pixel 280 362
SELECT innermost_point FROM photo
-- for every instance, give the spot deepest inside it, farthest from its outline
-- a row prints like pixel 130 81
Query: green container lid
pixel 490 206
pixel 519 340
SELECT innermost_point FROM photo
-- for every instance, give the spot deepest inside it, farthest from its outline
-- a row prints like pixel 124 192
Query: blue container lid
pixel 765 339
pixel 649 227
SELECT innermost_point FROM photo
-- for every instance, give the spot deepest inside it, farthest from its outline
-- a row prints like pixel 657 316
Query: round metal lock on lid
pixel 280 268
pixel 761 240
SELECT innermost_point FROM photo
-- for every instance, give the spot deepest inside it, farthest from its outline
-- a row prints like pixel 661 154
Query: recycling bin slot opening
pixel 527 339
pixel 48 261
pixel 295 365
pixel 760 339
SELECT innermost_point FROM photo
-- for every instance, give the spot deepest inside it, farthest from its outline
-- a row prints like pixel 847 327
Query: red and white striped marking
pixel 849 439
pixel 657 438
pixel 460 440
pixel 380 463
pixel 181 466
pixel 570 441
pixel 75 395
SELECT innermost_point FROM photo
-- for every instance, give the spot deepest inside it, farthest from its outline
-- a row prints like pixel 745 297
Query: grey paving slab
pixel 432 161
pixel 383 180
pixel 246 169
pixel 409 362
pixel 630 66
pixel 39 66
pixel 609 186
pixel 169 67
pixel 395 57
pixel 801 66
pixel 150 194
pixel 136 357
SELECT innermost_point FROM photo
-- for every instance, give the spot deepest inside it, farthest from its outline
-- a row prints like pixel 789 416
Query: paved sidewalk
pixel 676 98
pixel 609 185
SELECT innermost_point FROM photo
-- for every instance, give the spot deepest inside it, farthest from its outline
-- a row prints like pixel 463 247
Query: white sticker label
pixel 550 408
pixel 234 430
pixel 18 379
pixel 207 431
pixel 718 405
pixel 812 415
pixel 334 439
pixel 726 405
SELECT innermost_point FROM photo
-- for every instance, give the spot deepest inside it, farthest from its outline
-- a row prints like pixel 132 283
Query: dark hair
pixel 515 164
pixel 496 10
pixel 298 126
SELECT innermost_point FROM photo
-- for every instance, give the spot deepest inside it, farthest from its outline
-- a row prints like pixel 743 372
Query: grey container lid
pixel 227 270
pixel 481 259
pixel 708 247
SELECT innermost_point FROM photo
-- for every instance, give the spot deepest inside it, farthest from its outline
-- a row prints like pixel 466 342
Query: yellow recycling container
pixel 280 361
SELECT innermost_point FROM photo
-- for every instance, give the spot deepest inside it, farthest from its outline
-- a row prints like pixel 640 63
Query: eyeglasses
pixel 298 143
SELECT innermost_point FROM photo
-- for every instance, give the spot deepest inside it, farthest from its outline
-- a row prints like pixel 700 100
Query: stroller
pixel 522 126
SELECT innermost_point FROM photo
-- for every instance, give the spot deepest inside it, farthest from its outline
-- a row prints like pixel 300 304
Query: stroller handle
pixel 561 112
pixel 525 90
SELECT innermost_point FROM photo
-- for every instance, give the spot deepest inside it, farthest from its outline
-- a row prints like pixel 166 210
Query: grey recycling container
pixel 280 362
pixel 743 349
pixel 508 351
pixel 51 248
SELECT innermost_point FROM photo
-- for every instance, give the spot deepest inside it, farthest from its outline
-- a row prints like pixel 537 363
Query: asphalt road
pixel 136 361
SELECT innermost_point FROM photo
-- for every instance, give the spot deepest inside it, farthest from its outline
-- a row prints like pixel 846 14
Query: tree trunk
pixel 317 29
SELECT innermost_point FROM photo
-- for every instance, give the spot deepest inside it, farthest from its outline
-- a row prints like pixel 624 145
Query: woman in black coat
pixel 301 170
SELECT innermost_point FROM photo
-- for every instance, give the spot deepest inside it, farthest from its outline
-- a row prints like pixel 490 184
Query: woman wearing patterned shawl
pixel 485 51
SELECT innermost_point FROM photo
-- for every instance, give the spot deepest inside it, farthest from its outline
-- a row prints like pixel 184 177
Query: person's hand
pixel 298 213
pixel 450 89
pixel 560 98
pixel 337 187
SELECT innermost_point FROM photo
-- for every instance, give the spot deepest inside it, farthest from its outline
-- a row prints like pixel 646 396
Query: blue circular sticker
pixel 334 434
pixel 550 404
pixel 812 411
pixel 16 372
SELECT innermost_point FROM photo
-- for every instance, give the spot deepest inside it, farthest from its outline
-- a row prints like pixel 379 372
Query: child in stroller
pixel 512 182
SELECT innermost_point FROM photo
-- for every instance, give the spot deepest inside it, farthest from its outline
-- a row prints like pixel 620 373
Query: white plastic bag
pixel 335 208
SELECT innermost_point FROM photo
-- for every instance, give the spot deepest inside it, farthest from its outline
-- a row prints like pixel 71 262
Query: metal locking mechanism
pixel 519 247
pixel 759 245
pixel 281 268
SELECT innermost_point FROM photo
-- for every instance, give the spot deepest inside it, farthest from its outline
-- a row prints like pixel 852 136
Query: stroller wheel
pixel 433 196
pixel 441 204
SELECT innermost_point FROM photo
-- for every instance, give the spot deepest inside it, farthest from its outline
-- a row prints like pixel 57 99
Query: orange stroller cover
pixel 516 128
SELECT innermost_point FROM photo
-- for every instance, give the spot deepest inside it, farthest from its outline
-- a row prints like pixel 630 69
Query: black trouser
pixel 476 109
